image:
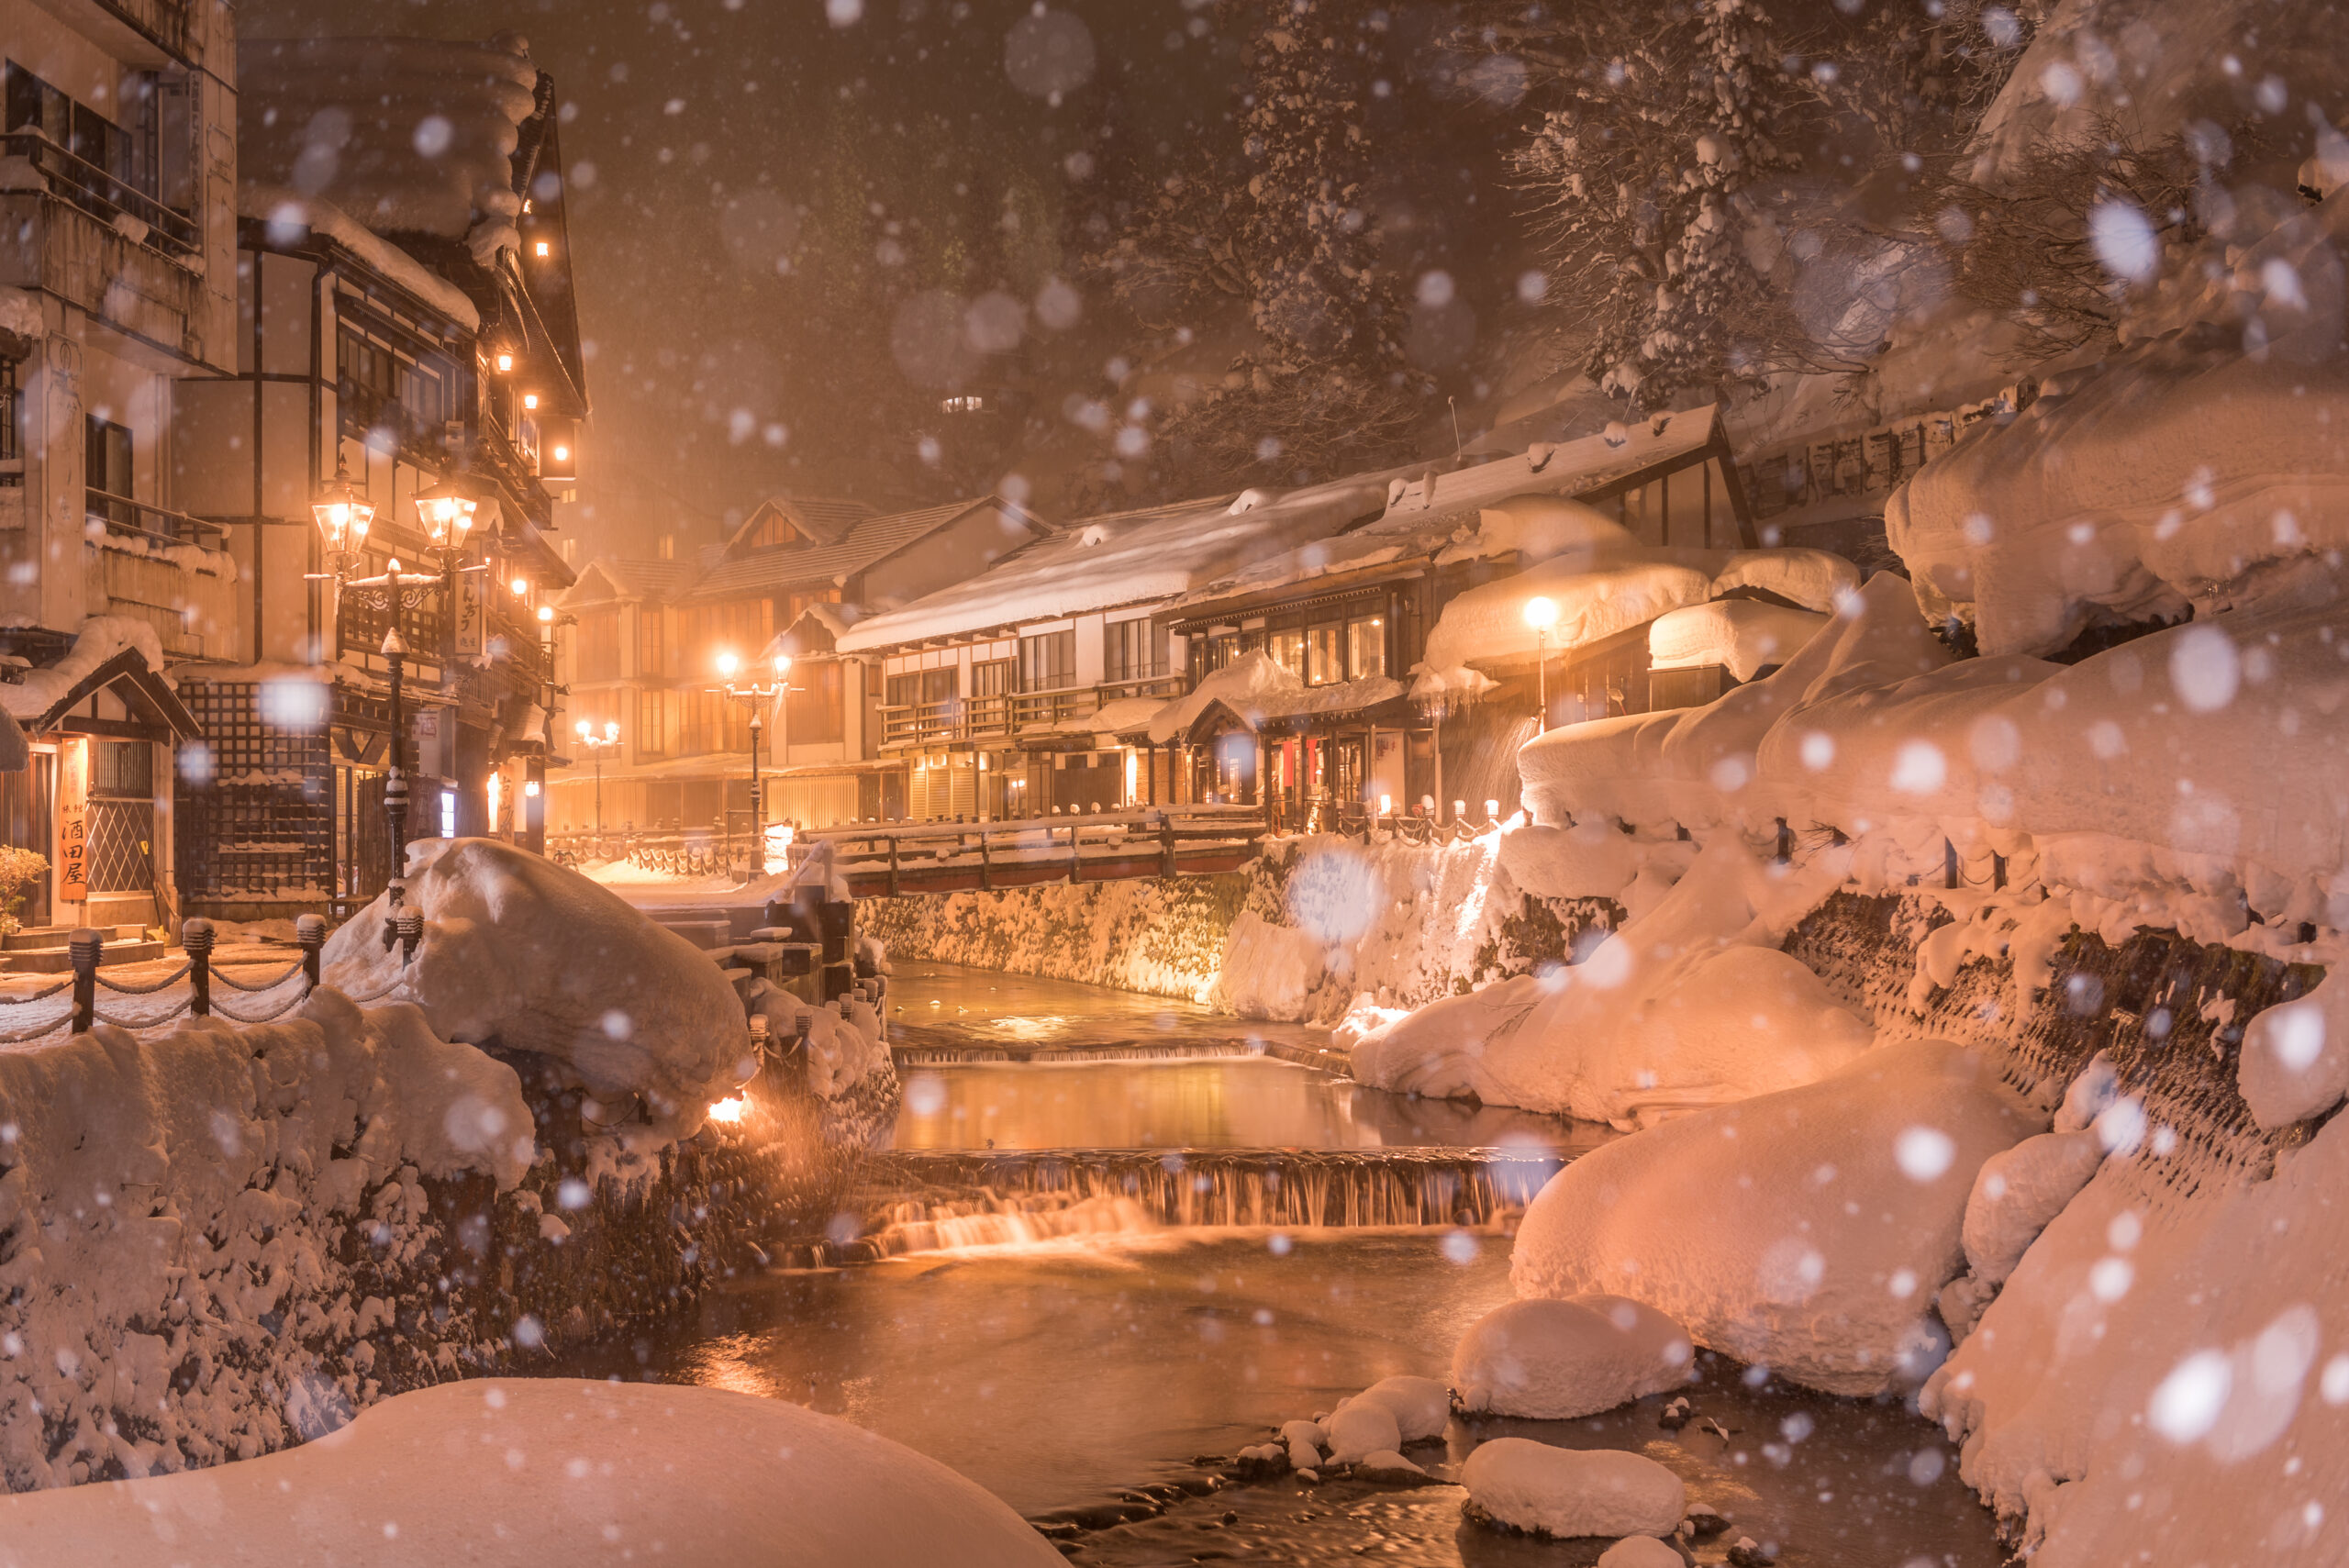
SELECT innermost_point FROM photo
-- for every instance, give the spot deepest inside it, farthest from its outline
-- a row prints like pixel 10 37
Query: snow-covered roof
pixel 633 577
pixel 405 135
pixel 99 639
pixel 1463 514
pixel 1113 718
pixel 1127 558
pixel 1603 593
pixel 1742 636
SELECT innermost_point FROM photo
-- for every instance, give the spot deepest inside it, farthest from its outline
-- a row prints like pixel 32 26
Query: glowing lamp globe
pixel 342 512
pixel 584 728
pixel 1541 613
pixel 727 664
pixel 446 513
pixel 611 731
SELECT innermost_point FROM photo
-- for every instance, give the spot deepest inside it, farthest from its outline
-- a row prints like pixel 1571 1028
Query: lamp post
pixel 596 746
pixel 1541 614
pixel 343 516
pixel 758 696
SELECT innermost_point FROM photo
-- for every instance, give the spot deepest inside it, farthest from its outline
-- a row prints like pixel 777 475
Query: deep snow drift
pixel 1808 1230
pixel 523 952
pixel 519 1472
pixel 1554 1360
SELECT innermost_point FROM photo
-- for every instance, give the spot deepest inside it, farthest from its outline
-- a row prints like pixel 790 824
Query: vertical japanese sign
pixel 471 612
pixel 72 820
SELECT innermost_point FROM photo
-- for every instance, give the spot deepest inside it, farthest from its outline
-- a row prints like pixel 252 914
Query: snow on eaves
pixel 1257 689
pixel 1742 636
pixel 286 210
pixel 1124 559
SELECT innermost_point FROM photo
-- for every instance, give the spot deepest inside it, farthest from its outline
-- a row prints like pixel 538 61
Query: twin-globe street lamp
pixel 759 697
pixel 1541 614
pixel 596 746
pixel 344 514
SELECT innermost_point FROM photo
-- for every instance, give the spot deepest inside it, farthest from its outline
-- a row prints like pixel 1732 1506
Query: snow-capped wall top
pixel 20 314
pixel 282 207
pixel 1131 557
pixel 405 135
pixel 1742 636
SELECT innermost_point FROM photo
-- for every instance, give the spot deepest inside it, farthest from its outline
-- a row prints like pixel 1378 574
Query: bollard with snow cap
pixel 410 924
pixel 195 940
pixel 310 934
pixel 85 947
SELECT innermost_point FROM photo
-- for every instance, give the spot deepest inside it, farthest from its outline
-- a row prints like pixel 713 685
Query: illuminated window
pixel 1366 648
pixel 1324 660
pixel 542 248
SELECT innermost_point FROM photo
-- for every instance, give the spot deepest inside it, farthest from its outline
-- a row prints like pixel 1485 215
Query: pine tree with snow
pixel 1660 123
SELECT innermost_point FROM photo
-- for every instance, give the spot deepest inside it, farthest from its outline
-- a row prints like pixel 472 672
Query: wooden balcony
pixel 1006 714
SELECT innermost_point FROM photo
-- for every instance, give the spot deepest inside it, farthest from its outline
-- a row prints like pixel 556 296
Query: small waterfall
pixel 916 1054
pixel 920 1200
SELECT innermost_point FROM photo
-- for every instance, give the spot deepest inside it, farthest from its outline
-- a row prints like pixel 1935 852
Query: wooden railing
pixel 135 518
pixel 86 186
pixel 1006 713
pixel 886 859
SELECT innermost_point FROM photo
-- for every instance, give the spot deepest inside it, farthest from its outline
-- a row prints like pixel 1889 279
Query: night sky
pixel 795 231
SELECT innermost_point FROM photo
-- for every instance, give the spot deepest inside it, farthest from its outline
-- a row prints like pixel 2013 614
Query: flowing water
pixel 1111 1235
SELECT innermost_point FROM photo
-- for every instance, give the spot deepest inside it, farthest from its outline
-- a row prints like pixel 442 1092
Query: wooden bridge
pixel 884 860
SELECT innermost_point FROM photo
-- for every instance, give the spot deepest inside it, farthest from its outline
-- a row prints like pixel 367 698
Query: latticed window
pixel 253 805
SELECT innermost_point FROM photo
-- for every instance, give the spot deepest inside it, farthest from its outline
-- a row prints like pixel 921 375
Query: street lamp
pixel 596 746
pixel 343 516
pixel 1541 614
pixel 758 696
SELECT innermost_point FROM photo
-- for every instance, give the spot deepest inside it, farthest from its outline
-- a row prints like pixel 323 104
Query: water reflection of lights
pixel 1043 1026
pixel 729 1110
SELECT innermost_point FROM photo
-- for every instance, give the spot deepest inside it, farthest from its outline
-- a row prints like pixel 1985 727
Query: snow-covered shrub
pixel 525 954
pixel 1807 1229
pixel 19 869
pixel 1555 1359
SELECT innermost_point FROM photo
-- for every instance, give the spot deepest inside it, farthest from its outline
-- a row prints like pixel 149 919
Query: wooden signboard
pixel 472 616
pixel 72 829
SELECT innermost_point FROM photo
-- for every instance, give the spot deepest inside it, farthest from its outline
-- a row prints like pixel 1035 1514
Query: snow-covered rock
pixel 535 958
pixel 1690 1005
pixel 1555 1359
pixel 1530 1486
pixel 1641 1551
pixel 1360 1428
pixel 1420 1405
pixel 2018 1191
pixel 2295 1063
pixel 1808 1230
pixel 521 1473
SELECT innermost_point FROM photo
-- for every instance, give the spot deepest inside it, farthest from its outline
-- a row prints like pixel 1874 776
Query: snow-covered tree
pixel 1277 219
pixel 1658 122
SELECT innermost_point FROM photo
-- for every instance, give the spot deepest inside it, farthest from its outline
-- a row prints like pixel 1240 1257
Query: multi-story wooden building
pixel 404 316
pixel 794 577
pixel 117 279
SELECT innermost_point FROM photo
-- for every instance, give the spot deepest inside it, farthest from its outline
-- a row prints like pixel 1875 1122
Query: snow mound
pixel 1553 1361
pixel 1807 1229
pixel 521 1473
pixel 173 1203
pixel 1691 1003
pixel 522 952
pixel 2018 1191
pixel 1532 1486
pixel 1268 971
pixel 844 1048
pixel 2295 1063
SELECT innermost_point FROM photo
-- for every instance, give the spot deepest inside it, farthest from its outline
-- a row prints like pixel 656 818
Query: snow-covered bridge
pixel 885 859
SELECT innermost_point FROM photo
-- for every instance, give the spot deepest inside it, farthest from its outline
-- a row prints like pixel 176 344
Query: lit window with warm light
pixel 542 248
pixel 505 363
pixel 529 400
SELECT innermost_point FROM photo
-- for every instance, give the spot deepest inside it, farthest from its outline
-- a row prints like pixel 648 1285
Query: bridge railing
pixel 1159 837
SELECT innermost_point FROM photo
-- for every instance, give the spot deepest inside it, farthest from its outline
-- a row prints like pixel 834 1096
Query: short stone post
pixel 85 946
pixel 196 938
pixel 310 931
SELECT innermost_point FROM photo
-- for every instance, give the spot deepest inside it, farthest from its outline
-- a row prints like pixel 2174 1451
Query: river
pixel 1116 1235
